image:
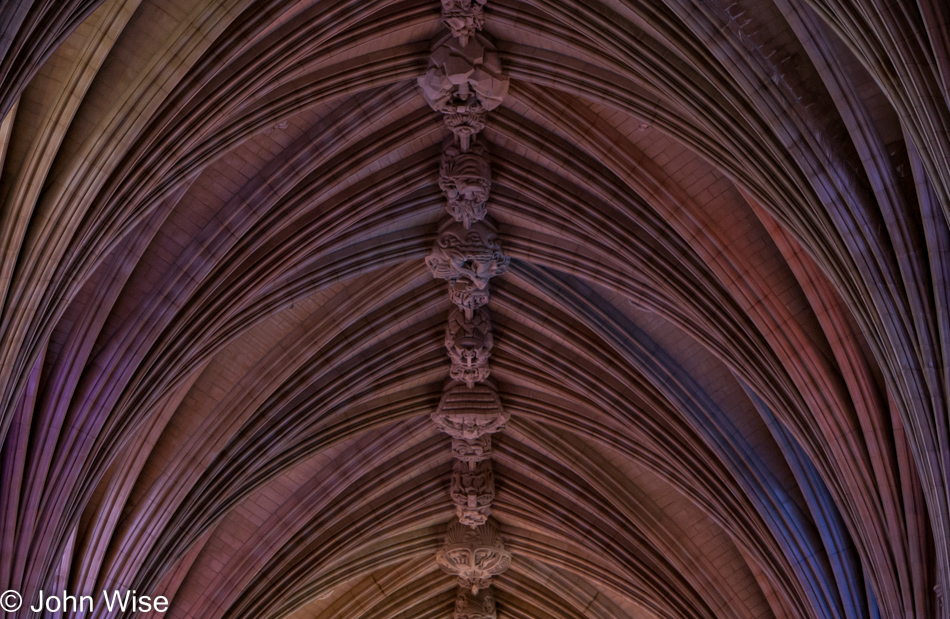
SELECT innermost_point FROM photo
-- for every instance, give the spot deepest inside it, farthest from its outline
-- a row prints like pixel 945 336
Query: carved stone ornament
pixel 472 451
pixel 474 555
pixel 465 179
pixel 467 297
pixel 466 125
pixel 475 606
pixel 473 256
pixel 469 374
pixel 473 491
pixel 469 343
pixel 463 17
pixel 464 78
pixel 469 413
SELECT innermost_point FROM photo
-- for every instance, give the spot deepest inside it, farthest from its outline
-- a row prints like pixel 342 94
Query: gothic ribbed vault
pixel 722 339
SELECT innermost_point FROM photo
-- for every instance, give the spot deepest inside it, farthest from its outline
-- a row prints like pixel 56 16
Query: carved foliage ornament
pixel 465 179
pixel 469 343
pixel 470 413
pixel 474 555
pixel 463 17
pixel 472 491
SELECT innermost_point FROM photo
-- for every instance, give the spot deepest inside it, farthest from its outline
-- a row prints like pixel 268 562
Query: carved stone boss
pixel 475 606
pixel 469 343
pixel 467 258
pixel 463 82
pixel 470 417
pixel 474 555
pixel 465 180
pixel 463 17
pixel 473 490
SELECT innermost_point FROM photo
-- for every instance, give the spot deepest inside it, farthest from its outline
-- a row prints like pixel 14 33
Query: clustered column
pixel 463 82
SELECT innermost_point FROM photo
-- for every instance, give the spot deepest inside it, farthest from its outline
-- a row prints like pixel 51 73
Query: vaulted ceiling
pixel 722 339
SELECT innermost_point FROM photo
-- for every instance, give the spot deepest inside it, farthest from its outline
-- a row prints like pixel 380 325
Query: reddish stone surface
pixel 722 338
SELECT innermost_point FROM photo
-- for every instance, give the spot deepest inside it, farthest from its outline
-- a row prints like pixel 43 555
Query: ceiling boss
pixel 464 81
